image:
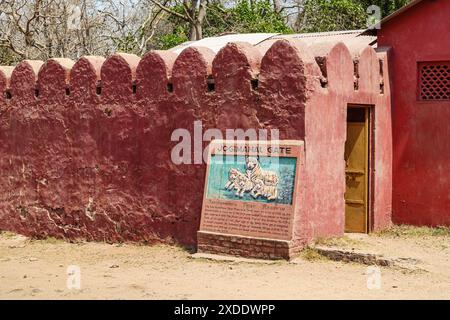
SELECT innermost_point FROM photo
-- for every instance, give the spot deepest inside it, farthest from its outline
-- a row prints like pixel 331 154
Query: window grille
pixel 434 80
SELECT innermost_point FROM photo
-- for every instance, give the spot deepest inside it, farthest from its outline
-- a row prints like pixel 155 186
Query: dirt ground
pixel 37 269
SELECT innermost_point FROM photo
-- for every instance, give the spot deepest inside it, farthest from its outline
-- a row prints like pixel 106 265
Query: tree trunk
pixel 201 18
pixel 277 6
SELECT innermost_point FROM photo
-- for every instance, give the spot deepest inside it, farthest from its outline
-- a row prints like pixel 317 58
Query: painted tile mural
pixel 256 179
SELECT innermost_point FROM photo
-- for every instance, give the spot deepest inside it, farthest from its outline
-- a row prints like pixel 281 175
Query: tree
pixel 258 16
pixel 242 16
pixel 7 57
pixel 41 29
pixel 191 11
pixel 333 15
pixel 387 6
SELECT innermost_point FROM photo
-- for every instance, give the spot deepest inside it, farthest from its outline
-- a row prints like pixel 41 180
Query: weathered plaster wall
pixel 326 114
pixel 85 146
pixel 421 130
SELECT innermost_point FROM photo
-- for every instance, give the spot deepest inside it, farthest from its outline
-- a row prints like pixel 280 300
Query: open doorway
pixel 357 169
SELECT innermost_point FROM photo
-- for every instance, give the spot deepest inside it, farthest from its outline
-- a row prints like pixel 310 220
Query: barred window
pixel 434 80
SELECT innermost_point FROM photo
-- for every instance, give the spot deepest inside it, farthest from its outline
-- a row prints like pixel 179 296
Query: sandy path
pixel 38 270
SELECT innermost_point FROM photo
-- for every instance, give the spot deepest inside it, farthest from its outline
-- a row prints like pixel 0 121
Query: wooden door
pixel 356 170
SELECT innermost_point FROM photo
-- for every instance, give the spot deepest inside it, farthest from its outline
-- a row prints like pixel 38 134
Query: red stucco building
pixel 86 146
pixel 419 41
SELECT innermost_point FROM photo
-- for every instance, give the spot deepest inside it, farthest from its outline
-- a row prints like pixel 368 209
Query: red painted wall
pixel 421 130
pixel 85 147
pixel 326 114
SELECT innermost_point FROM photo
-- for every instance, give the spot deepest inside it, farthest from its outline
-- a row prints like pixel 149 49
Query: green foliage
pixel 243 17
pixel 170 40
pixel 332 15
pixel 253 16
pixel 258 16
pixel 7 57
pixel 125 44
pixel 387 6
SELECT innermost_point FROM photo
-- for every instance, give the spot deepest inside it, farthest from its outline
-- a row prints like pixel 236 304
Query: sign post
pixel 250 197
